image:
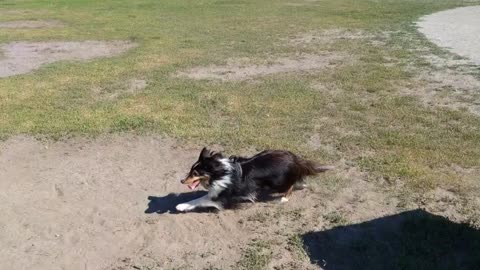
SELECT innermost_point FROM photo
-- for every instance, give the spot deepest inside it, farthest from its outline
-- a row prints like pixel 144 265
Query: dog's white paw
pixel 284 199
pixel 184 207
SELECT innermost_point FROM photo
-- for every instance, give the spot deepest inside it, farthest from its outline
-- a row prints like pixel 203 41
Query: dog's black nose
pixel 182 181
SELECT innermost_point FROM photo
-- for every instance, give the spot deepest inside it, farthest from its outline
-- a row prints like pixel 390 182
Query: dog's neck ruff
pixel 237 170
pixel 232 170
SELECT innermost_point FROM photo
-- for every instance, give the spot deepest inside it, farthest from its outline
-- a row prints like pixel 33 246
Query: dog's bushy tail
pixel 308 167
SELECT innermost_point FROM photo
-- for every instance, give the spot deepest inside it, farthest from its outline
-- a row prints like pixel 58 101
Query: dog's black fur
pixel 237 178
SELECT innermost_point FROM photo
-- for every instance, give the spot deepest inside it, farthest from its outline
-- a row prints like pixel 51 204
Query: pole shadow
pixel 414 240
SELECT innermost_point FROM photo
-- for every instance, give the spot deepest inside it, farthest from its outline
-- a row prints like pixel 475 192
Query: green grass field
pixel 362 114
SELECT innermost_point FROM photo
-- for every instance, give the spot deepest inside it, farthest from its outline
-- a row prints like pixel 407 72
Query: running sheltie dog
pixel 233 179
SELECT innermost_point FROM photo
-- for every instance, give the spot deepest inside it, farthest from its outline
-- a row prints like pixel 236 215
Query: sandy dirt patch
pixel 104 204
pixel 23 57
pixel 456 29
pixel 243 69
pixel 81 205
pixel 31 24
pixel 108 203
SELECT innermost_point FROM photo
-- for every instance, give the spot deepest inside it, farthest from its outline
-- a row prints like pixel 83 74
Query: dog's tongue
pixel 194 185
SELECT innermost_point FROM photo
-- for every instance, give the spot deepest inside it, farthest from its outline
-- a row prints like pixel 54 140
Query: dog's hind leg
pixel 299 185
pixel 251 197
pixel 287 194
pixel 204 201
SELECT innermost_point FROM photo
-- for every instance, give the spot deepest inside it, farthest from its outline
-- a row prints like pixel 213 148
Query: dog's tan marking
pixel 193 179
pixel 287 194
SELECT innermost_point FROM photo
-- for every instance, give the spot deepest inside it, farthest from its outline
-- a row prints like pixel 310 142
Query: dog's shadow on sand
pixel 410 240
pixel 167 204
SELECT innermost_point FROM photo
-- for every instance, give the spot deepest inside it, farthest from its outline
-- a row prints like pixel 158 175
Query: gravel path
pixel 456 29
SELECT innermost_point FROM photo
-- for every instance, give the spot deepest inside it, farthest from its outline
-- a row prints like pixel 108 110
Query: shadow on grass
pixel 410 240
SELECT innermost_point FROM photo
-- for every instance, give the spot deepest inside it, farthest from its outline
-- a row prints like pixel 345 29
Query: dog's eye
pixel 195 173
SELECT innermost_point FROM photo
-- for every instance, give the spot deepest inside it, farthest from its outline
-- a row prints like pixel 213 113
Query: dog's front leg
pixel 204 201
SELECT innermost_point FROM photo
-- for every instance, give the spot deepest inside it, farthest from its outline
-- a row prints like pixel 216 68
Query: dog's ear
pixel 204 154
pixel 209 154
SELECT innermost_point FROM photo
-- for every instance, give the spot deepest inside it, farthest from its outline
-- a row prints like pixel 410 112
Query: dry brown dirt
pixel 23 57
pixel 108 203
pixel 243 69
pixel 105 204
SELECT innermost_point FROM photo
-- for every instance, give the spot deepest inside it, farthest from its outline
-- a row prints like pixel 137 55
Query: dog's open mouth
pixel 194 185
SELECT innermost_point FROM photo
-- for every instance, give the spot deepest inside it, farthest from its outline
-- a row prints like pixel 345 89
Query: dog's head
pixel 208 167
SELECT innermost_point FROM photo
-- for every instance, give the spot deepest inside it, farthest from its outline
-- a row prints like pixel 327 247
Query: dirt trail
pixel 456 29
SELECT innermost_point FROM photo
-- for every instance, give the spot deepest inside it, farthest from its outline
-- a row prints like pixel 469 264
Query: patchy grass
pixel 357 113
pixel 295 244
pixel 256 256
pixel 259 216
pixel 335 218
